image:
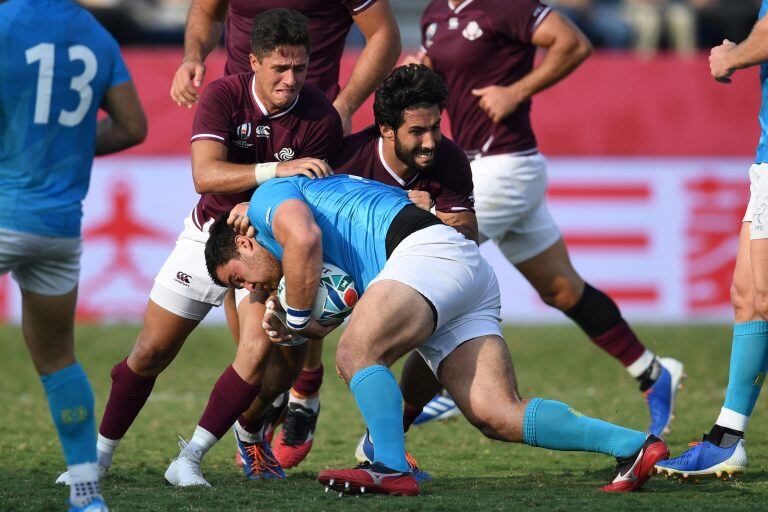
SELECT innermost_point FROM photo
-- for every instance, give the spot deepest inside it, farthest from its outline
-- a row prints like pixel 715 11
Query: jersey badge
pixel 243 133
pixel 472 31
pixel 262 132
pixel 429 34
pixel 284 154
pixel 453 23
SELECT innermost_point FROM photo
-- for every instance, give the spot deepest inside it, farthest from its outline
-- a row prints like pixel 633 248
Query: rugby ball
pixel 336 295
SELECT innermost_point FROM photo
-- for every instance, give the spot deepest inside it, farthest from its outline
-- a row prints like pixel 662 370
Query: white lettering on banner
pixel 658 235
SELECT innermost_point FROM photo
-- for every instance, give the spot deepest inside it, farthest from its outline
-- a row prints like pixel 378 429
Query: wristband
pixel 265 172
pixel 297 319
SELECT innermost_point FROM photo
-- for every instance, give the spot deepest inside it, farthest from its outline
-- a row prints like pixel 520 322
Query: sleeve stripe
pixel 458 209
pixel 541 17
pixel 199 135
pixel 363 6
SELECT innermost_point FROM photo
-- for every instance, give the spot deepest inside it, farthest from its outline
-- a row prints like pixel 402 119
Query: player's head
pixel 407 108
pixel 279 56
pixel 238 261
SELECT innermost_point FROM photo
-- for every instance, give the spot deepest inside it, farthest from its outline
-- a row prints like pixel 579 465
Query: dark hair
pixel 220 247
pixel 278 27
pixel 404 88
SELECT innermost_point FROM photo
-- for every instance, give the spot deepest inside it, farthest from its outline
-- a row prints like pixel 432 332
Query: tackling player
pixel 329 24
pixel 485 51
pixel 722 450
pixel 59 66
pixel 423 286
pixel 268 118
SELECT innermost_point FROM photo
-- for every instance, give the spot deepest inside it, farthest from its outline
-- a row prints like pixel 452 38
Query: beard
pixel 270 270
pixel 408 157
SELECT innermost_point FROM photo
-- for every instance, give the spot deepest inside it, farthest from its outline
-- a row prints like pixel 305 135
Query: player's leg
pixel 480 377
pixel 722 449
pixel 230 312
pixel 48 282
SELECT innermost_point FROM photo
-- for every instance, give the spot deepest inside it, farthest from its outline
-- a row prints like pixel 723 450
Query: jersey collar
pixel 398 179
pixel 459 7
pixel 263 108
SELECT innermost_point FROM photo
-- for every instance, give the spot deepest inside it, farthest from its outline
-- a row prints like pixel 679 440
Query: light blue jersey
pixel 762 146
pixel 354 215
pixel 56 64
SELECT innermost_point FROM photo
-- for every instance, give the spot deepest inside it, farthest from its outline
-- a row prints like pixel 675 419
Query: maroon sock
pixel 621 343
pixel 231 396
pixel 128 395
pixel 309 381
pixel 409 415
pixel 600 318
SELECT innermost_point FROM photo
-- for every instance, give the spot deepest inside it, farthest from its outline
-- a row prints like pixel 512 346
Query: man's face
pixel 417 139
pixel 254 268
pixel 280 76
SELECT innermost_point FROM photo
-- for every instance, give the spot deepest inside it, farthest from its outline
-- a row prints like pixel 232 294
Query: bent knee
pixel 501 423
pixel 563 294
pixel 149 358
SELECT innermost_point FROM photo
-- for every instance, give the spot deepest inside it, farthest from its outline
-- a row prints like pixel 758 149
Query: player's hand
pixel 719 61
pixel 316 331
pixel 413 59
pixel 346 117
pixel 238 219
pixel 421 199
pixel 310 167
pixel 273 324
pixel 186 82
pixel 497 102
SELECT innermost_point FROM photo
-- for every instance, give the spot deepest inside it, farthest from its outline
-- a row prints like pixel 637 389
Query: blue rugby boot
pixel 705 458
pixel 661 396
pixel 258 461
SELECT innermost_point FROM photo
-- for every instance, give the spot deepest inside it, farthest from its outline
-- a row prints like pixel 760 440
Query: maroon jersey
pixel 231 114
pixel 448 181
pixel 476 44
pixel 329 23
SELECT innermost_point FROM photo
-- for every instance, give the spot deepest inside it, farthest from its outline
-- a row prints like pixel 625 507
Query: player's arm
pixel 382 48
pixel 566 47
pixel 205 24
pixel 294 228
pixel 465 222
pixel 213 174
pixel 125 124
pixel 728 57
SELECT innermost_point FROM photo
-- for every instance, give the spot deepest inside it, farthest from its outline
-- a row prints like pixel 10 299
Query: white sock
pixel 310 403
pixel 248 437
pixel 642 363
pixel 84 483
pixel 732 419
pixel 201 442
pixel 106 449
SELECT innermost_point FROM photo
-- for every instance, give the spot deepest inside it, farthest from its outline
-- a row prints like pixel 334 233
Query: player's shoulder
pixel 451 161
pixel 365 137
pixel 313 103
pixel 227 87
pixel 355 148
pixel 435 8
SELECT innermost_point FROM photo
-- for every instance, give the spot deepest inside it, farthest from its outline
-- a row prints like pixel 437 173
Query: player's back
pixel 354 215
pixel 56 64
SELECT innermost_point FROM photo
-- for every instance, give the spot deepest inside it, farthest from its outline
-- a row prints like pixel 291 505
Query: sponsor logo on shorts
pixel 183 278
pixel 757 217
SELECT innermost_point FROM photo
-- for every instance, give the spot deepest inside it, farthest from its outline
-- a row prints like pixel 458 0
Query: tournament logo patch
pixel 284 154
pixel 242 134
pixel 472 31
pixel 429 34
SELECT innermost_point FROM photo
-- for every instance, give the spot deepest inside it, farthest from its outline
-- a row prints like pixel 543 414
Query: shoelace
pixel 298 424
pixel 261 461
pixel 411 461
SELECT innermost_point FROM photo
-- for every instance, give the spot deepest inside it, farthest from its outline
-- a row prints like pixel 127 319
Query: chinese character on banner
pixel 716 207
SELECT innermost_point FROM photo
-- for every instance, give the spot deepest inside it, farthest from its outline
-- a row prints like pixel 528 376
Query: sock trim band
pixel 529 422
pixel 747 328
pixel 361 375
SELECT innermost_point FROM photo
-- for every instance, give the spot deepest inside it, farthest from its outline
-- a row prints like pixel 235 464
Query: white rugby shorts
pixel 757 209
pixel 44 265
pixel 511 205
pixel 449 271
pixel 183 286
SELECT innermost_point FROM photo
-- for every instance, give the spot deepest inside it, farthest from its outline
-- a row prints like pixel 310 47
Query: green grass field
pixel 472 472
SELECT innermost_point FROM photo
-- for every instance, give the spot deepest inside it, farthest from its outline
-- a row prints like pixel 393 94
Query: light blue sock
pixel 70 399
pixel 381 403
pixel 554 425
pixel 749 363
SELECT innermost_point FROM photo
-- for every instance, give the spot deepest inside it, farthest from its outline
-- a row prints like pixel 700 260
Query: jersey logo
pixel 472 31
pixel 262 131
pixel 243 133
pixel 453 23
pixel 284 154
pixel 429 34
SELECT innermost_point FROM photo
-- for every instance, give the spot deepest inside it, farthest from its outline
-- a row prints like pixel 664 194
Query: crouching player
pixel 424 286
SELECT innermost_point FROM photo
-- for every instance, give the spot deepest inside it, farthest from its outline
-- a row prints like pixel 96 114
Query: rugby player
pixel 721 452
pixel 248 128
pixel 329 24
pixel 485 51
pixel 423 286
pixel 64 67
